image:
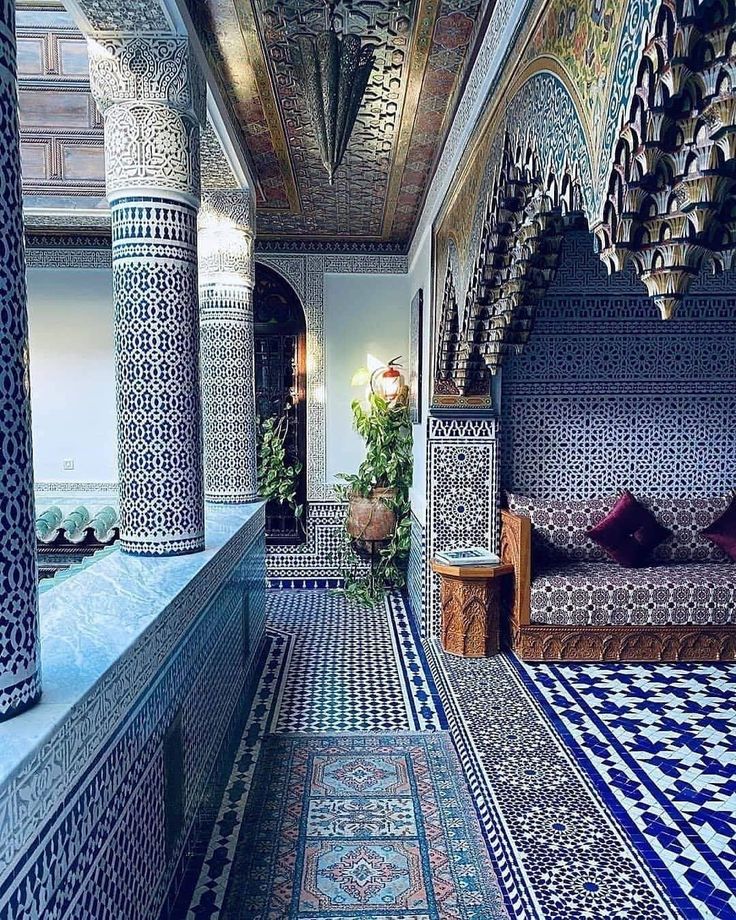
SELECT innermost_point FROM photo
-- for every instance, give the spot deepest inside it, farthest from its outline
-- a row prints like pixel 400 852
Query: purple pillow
pixel 629 532
pixel 722 531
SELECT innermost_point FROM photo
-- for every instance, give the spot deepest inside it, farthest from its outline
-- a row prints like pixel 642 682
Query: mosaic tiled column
pixel 152 96
pixel 226 279
pixel 20 680
pixel 462 494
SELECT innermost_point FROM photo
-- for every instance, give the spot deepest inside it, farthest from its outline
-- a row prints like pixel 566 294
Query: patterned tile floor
pixel 603 791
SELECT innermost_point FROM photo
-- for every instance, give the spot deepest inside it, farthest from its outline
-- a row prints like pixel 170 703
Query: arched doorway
pixel 280 346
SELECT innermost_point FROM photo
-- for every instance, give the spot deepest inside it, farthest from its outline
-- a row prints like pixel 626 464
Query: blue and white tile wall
pixel 416 569
pixel 608 396
pixel 112 842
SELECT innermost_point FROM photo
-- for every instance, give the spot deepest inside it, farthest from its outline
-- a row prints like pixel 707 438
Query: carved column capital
pixel 226 239
pixel 153 97
pixel 233 206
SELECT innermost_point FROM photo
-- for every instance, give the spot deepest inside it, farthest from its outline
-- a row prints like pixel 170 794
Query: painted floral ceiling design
pixel 423 51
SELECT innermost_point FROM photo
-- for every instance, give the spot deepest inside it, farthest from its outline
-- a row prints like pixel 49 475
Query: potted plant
pixel 277 478
pixel 377 497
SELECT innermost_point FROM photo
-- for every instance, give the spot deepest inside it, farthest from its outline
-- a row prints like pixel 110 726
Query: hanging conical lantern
pixel 335 71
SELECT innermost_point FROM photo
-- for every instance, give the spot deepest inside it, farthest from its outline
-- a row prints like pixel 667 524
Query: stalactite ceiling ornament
pixel 334 73
pixel 520 245
pixel 669 210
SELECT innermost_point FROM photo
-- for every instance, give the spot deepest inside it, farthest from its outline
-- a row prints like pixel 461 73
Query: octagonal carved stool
pixel 470 604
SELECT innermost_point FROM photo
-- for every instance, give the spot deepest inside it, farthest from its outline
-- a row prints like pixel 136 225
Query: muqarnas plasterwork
pixel 20 681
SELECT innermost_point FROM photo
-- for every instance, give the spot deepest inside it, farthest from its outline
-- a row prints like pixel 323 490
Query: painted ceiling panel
pixel 422 49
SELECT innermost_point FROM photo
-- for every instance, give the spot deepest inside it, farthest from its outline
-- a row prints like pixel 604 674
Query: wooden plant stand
pixel 471 607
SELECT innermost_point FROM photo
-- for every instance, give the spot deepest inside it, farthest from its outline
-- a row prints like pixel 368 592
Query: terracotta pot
pixel 370 519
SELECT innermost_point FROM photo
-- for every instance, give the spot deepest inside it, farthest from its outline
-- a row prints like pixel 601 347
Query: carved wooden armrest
pixel 516 550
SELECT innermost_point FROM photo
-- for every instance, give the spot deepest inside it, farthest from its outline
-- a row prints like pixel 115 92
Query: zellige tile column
pixel 152 96
pixel 226 280
pixel 20 680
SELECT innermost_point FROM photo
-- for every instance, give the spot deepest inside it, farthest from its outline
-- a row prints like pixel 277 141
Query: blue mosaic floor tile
pixel 603 793
pixel 659 742
pixel 559 851
pixel 352 668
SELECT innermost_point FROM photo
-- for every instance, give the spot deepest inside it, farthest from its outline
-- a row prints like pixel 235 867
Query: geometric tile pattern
pixel 20 680
pixel 416 569
pixel 151 93
pixel 658 743
pixel 226 277
pixel 365 824
pixel 322 650
pixel 462 494
pixel 350 667
pixel 607 795
pixel 606 396
pixel 558 850
pixel 211 876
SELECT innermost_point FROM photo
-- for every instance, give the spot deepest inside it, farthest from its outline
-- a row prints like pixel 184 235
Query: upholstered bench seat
pixel 600 593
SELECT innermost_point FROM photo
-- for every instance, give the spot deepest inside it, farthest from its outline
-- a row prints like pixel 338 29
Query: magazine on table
pixel 468 555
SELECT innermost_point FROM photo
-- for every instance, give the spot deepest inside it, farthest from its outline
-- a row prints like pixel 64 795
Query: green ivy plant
pixel 386 429
pixel 277 477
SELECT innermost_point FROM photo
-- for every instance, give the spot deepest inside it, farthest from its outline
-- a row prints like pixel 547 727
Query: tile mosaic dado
pixel 131 674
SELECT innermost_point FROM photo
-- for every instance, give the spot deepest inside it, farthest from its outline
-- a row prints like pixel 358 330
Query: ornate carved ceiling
pixel 423 51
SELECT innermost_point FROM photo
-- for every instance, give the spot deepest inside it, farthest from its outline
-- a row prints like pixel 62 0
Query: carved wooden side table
pixel 471 607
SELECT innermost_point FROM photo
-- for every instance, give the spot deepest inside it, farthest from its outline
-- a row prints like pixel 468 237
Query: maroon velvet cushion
pixel 629 532
pixel 722 531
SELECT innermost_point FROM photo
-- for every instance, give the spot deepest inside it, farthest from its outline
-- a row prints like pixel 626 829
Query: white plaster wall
pixel 72 374
pixel 363 314
pixel 420 276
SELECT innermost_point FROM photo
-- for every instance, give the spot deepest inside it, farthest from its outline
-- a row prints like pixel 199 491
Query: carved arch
pixel 538 186
pixel 670 208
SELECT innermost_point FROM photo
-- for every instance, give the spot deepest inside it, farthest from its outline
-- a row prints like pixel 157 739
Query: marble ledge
pixel 91 619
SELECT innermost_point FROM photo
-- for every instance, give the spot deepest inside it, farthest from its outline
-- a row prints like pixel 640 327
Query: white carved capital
pixel 226 238
pixel 153 97
pixel 154 69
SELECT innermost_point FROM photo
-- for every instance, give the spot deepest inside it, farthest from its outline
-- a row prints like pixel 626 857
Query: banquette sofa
pixel 571 602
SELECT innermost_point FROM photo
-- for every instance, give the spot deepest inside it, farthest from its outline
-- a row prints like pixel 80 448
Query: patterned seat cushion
pixel 600 593
pixel 560 528
pixel 686 518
